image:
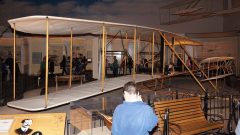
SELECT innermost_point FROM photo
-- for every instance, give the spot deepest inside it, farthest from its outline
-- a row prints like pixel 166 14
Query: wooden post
pixel 163 59
pixel 183 57
pixel 103 42
pixel 125 55
pixel 104 66
pixel 71 46
pixel 152 53
pixel 173 46
pixel 217 72
pixel 134 54
pixel 105 53
pixel 149 47
pixel 103 103
pixel 194 53
pixel 14 65
pixel 46 68
pixel 164 51
pixel 208 68
pixel 138 54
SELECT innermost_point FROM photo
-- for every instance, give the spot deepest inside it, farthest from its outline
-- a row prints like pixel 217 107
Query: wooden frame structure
pixel 64 26
pixel 217 68
pixel 14 65
pixel 46 68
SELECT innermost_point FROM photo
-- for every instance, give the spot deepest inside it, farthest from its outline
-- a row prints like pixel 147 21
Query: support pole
pixel 105 53
pixel 103 104
pixel 161 54
pixel 217 74
pixel 104 49
pixel 103 42
pixel 166 122
pixel 173 46
pixel 163 58
pixel 198 82
pixel 138 54
pixel 164 52
pixel 208 68
pixel 14 65
pixel 46 68
pixel 70 75
pixel 183 57
pixel 149 47
pixel 104 66
pixel 125 55
pixel 153 53
pixel 134 54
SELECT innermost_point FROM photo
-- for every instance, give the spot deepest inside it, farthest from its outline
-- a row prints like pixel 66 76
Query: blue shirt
pixel 133 118
pixel 237 130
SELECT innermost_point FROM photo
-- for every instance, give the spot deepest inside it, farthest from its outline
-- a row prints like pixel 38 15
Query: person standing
pixel 123 65
pixel 51 68
pixel 130 64
pixel 9 65
pixel 3 70
pixel 63 65
pixel 84 62
pixel 115 66
pixel 78 67
pixel 133 116
pixel 17 71
pixel 189 63
pixel 169 69
pixel 43 68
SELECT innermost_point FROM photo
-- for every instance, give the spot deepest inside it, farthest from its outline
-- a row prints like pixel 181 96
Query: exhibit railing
pixel 166 122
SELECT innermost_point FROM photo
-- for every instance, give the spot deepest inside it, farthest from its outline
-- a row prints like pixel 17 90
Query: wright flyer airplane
pixel 49 26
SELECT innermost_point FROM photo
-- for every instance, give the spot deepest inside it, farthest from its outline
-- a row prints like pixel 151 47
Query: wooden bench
pixel 186 117
pixel 65 78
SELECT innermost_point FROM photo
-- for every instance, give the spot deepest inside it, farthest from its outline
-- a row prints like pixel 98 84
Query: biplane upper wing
pixel 64 26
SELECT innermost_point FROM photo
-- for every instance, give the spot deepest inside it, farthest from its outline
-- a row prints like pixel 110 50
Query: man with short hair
pixel 25 128
pixel 133 117
pixel 115 66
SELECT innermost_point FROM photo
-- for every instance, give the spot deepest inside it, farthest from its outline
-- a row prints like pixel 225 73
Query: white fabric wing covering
pixel 216 59
pixel 63 26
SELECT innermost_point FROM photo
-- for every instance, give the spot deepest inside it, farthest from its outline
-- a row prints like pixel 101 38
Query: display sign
pixel 33 124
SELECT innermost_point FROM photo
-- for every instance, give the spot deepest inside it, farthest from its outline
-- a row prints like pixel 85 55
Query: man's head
pixel 130 92
pixel 26 123
pixel 130 87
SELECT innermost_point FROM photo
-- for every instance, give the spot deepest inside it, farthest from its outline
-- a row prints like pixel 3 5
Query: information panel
pixel 33 124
